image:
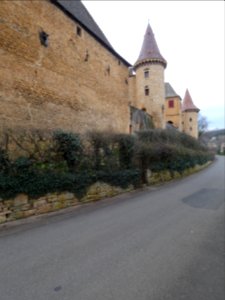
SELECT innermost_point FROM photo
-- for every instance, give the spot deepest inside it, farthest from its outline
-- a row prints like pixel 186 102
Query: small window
pixel 146 90
pixel 190 119
pixel 171 104
pixel 79 31
pixel 146 73
pixel 108 69
pixel 190 128
pixel 43 38
pixel 86 55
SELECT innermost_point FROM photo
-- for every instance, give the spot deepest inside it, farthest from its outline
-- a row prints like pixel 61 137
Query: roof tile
pixel 150 50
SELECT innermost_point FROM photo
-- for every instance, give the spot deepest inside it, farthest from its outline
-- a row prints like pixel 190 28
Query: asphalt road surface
pixel 160 243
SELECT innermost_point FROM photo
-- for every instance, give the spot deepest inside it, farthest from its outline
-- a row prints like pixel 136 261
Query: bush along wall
pixel 36 164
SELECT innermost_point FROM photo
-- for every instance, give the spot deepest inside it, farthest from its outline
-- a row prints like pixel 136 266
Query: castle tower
pixel 149 68
pixel 172 108
pixel 189 116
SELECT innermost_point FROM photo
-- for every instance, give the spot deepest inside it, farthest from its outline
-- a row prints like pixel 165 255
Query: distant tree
pixel 202 125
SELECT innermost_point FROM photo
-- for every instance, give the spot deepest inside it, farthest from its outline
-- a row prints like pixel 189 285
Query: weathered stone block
pixel 9 203
pixel 40 202
pixel 20 200
pixel 17 215
pixel 29 213
pixel 26 207
pixel 44 209
pixel 58 205
pixel 65 196
pixel 52 197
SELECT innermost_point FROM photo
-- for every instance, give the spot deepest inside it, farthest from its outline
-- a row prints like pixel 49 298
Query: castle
pixel 58 70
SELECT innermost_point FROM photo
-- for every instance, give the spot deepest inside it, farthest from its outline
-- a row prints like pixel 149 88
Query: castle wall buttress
pixel 72 83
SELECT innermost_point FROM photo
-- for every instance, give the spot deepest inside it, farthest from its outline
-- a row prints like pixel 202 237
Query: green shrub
pixel 4 161
pixel 126 144
pixel 64 162
pixel 69 146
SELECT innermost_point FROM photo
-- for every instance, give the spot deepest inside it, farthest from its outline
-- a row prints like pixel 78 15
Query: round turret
pixel 190 116
pixel 149 68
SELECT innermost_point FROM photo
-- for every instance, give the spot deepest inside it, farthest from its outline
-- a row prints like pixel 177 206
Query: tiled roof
pixel 150 51
pixel 188 104
pixel 169 91
pixel 77 11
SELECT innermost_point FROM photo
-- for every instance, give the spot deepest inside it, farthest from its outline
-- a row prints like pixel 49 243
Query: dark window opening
pixel 171 103
pixel 190 119
pixel 108 70
pixel 43 38
pixel 146 91
pixel 86 56
pixel 190 128
pixel 119 62
pixel 146 73
pixel 79 31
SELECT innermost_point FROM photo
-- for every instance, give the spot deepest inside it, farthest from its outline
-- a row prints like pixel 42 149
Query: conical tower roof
pixel 150 51
pixel 188 104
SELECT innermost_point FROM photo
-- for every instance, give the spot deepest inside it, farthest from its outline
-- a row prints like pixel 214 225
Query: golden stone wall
pixel 74 83
pixel 190 123
pixel 173 113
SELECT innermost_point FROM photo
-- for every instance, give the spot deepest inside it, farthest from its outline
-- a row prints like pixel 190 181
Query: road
pixel 159 243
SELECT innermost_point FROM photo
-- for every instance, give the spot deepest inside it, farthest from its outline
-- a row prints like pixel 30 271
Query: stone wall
pixel 74 83
pixel 173 113
pixel 22 206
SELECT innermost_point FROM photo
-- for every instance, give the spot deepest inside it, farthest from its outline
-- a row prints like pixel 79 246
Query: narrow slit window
pixel 79 31
pixel 43 38
pixel 146 90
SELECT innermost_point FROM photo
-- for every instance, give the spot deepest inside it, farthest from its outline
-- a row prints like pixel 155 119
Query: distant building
pixel 59 70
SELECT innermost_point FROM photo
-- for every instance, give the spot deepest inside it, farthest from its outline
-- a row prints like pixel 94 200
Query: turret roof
pixel 188 104
pixel 169 91
pixel 150 51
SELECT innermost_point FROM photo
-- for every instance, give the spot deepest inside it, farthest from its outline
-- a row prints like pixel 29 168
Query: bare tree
pixel 203 124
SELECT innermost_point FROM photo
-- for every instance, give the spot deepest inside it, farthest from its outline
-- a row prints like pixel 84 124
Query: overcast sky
pixel 190 36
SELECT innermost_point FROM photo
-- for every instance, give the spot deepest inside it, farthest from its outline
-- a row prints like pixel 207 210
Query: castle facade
pixel 58 70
